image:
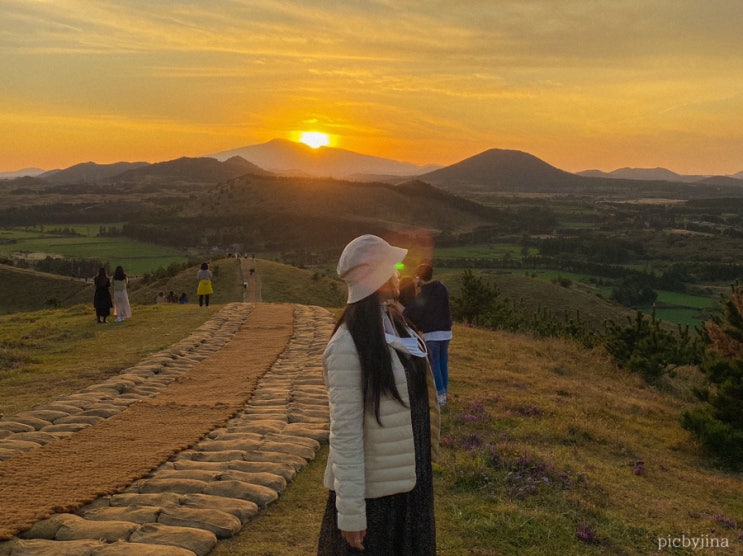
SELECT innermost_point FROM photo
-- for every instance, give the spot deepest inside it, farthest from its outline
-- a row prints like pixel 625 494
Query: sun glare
pixel 314 139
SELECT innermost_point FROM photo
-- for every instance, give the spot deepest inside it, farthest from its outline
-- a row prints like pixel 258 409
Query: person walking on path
pixel 102 296
pixel 121 299
pixel 204 289
pixel 431 313
pixel 384 416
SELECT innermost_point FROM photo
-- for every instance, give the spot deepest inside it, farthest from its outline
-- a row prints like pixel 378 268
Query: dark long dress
pixel 102 298
pixel 400 524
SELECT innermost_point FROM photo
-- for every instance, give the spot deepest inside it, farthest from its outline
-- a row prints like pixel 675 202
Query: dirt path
pixel 150 436
pixel 251 280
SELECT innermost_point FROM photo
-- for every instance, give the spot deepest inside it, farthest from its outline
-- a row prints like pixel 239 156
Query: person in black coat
pixel 431 314
pixel 102 298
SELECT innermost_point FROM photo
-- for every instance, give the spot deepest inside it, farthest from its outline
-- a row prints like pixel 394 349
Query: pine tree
pixel 719 423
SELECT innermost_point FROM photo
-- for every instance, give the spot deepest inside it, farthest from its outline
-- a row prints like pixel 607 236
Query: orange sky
pixel 579 83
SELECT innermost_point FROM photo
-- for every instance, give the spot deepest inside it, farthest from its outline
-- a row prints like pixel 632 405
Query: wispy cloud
pixel 472 72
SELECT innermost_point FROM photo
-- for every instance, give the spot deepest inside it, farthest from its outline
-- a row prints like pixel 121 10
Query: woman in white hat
pixel 384 416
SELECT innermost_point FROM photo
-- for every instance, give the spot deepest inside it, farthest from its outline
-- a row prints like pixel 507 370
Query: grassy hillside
pixel 547 448
pixel 534 294
pixel 280 282
pixel 27 290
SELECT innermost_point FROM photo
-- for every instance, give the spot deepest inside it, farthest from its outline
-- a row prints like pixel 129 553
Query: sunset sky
pixel 580 84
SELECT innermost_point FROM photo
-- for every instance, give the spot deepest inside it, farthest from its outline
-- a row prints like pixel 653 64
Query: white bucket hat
pixel 366 264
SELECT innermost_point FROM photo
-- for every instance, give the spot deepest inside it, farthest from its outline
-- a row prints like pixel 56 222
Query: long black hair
pixel 364 322
pixel 101 278
pixel 119 273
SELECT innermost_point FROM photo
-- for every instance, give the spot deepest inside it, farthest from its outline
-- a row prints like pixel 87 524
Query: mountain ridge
pixel 284 157
pixel 491 171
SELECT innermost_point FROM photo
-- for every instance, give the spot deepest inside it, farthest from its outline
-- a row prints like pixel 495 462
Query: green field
pixel 37 243
pixel 674 307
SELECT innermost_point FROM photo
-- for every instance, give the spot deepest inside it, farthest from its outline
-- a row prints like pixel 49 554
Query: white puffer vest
pixel 366 460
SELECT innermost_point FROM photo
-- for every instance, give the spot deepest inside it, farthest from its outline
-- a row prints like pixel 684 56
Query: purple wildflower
pixel 584 532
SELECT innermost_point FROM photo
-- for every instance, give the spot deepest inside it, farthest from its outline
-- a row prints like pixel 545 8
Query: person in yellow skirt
pixel 204 290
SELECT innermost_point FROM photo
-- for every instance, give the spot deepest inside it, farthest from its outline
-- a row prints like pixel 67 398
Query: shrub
pixel 644 347
pixel 719 423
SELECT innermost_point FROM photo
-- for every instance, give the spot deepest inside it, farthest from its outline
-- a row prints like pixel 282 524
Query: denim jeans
pixel 438 355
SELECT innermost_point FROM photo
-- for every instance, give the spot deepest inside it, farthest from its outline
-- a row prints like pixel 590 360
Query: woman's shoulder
pixel 340 344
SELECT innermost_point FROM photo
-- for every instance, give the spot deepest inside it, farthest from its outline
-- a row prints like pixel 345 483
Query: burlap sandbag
pixel 270 480
pixel 18 445
pixel 47 415
pixel 47 528
pixel 235 489
pixel 123 548
pixel 294 439
pixel 243 510
pixel 276 457
pixel 258 426
pixel 179 486
pixel 196 474
pixel 186 464
pixel 239 444
pixel 198 541
pixel 133 514
pixel 108 531
pixel 14 426
pixel 222 524
pixel 42 547
pixel 137 499
pixel 317 431
pixel 38 437
pixel 33 422
pixel 225 434
pixel 229 455
pixel 282 469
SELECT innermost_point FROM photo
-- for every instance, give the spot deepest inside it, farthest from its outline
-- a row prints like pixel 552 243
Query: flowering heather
pixel 527 475
pixel 726 521
pixel 584 532
pixel 475 412
pixel 529 411
pixel 638 467
pixel 470 441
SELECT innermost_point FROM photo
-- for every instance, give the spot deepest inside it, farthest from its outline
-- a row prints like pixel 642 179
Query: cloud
pixel 493 70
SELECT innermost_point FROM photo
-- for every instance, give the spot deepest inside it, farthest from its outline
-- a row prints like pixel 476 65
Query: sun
pixel 314 139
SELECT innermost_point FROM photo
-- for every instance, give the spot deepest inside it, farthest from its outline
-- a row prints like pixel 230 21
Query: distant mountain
pixel 499 169
pixel 25 172
pixel 192 170
pixel 643 174
pixel 89 172
pixel 297 159
pixel 738 176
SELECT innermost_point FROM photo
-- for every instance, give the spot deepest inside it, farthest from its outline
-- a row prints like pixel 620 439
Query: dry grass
pixel 622 471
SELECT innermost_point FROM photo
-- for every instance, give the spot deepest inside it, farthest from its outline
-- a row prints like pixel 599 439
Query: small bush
pixel 718 424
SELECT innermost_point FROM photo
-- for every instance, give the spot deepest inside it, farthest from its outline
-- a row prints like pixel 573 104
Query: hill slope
pixel 323 214
pixel 289 158
pixel 192 170
pixel 27 290
pixel 502 170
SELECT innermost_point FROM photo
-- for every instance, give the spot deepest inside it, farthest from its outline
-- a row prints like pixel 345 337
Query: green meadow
pixel 37 243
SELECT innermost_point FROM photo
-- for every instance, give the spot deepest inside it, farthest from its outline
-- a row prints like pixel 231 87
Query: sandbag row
pixel 211 490
pixel 67 415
